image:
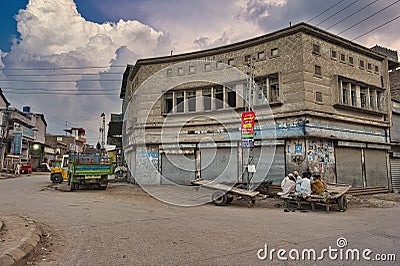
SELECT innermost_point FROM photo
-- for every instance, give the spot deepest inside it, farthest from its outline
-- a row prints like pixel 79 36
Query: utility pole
pixel 103 131
pixel 248 142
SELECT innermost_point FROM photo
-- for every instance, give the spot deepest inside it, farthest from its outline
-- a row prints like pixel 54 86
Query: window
pixel 169 72
pixel 372 101
pixel 231 96
pixel 207 67
pixel 262 85
pixel 318 97
pixel 180 101
pixel 376 69
pixel 207 99
pixel 191 100
pixel 334 54
pixel 180 71
pixel 345 94
pixel 274 52
pixel 351 60
pixel 192 69
pixel 274 89
pixel 342 58
pixel 168 102
pixel 219 65
pixel 363 98
pixel 369 66
pixel 316 49
pixel 260 55
pixel 361 64
pixel 317 70
pixel 353 96
pixel 231 62
pixel 247 58
pixel 379 101
pixel 219 97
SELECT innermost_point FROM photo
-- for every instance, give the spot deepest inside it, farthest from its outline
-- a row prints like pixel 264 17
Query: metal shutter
pixel 178 168
pixel 395 169
pixel 269 165
pixel 219 163
pixel 376 168
pixel 349 166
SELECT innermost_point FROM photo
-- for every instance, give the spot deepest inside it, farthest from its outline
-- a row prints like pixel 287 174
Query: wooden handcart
pixel 225 194
pixel 335 195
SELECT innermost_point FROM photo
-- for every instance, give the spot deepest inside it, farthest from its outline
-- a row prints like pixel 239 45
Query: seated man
pixel 303 187
pixel 285 180
pixel 318 186
pixel 289 186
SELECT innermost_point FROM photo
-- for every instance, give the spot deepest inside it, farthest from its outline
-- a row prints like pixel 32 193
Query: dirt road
pixel 124 226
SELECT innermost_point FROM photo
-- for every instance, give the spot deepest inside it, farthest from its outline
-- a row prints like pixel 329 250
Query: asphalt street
pixel 124 226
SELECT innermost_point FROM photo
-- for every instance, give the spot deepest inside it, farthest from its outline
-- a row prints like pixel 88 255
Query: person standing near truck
pixel 18 169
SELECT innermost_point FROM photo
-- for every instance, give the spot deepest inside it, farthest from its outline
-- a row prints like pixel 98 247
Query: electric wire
pixel 368 17
pixel 352 14
pixel 352 3
pixel 326 10
pixel 380 26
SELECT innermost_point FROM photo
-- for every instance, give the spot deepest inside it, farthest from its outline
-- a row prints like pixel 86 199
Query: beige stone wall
pixel 295 64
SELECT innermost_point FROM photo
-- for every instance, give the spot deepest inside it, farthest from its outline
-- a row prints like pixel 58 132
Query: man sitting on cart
pixel 303 186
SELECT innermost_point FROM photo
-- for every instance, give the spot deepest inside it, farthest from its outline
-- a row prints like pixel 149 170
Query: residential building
pixel 329 97
pixel 4 104
pixel 114 136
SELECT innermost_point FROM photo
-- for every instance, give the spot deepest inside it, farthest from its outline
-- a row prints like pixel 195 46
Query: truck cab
pixel 59 173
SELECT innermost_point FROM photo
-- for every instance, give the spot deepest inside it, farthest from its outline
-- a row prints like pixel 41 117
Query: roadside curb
pixel 25 248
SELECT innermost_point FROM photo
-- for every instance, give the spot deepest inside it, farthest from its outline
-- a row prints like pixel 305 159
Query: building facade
pixel 329 98
pixel 395 130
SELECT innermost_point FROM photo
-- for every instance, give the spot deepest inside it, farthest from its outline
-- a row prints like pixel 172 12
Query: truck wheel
pixel 57 179
pixel 103 186
pixel 72 186
pixel 342 203
pixel 219 198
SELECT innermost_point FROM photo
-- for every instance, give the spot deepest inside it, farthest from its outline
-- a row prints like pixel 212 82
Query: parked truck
pixel 89 170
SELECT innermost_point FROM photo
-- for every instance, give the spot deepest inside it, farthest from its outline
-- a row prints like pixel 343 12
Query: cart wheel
pixel 229 199
pixel 342 203
pixel 313 206
pixel 250 202
pixel 219 198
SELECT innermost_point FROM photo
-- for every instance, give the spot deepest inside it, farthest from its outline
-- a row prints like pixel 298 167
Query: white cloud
pixel 54 35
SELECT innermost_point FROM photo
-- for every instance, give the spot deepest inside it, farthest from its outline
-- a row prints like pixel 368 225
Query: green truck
pixel 89 170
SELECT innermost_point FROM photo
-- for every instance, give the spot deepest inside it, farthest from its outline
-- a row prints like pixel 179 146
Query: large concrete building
pixel 330 99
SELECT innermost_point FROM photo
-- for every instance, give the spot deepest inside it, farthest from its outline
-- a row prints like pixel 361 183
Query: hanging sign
pixel 247 129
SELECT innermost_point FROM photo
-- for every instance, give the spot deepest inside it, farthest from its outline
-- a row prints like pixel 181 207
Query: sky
pixel 65 58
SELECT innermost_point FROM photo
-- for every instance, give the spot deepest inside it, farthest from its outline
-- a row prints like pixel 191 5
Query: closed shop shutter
pixel 265 170
pixel 376 168
pixel 221 163
pixel 178 168
pixel 349 166
pixel 395 170
pixel 395 130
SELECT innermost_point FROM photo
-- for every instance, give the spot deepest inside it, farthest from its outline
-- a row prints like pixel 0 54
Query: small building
pixel 329 99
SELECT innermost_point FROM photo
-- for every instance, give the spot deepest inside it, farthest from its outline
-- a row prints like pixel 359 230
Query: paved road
pixel 124 226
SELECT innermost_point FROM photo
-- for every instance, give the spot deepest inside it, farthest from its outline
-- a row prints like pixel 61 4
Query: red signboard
pixel 247 128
